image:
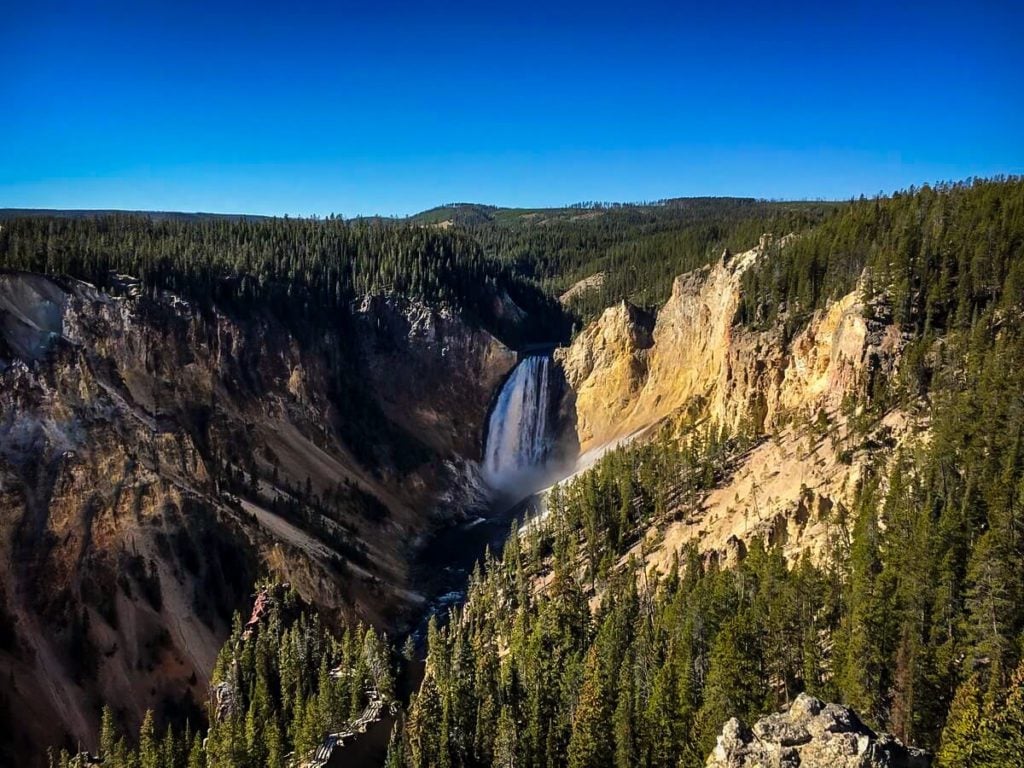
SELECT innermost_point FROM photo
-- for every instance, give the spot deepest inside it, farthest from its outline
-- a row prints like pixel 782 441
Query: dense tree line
pixel 564 657
pixel 528 674
pixel 939 251
pixel 938 254
pixel 565 654
pixel 306 271
pixel 639 248
pixel 278 687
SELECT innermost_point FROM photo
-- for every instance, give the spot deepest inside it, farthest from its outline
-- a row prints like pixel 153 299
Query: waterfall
pixel 517 434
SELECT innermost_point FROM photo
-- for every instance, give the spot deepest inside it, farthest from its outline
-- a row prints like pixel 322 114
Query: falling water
pixel 517 434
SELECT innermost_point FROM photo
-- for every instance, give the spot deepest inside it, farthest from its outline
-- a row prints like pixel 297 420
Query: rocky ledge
pixel 811 735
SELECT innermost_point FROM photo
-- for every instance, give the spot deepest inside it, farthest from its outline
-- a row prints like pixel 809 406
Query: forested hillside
pixel 940 255
pixel 639 248
pixel 282 680
pixel 567 653
pixel 309 269
pixel 306 271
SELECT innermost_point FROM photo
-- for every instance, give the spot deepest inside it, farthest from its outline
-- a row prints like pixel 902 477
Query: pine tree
pixel 863 660
pixel 506 742
pixel 274 744
pixel 196 754
pixel 1011 729
pixel 660 731
pixel 396 749
pixel 735 686
pixel 149 749
pixel 624 725
pixel 961 737
pixel 424 726
pixel 255 744
pixel 590 745
pixel 108 735
pixel 170 754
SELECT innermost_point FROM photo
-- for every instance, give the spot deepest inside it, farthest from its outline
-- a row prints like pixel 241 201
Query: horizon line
pixel 11 211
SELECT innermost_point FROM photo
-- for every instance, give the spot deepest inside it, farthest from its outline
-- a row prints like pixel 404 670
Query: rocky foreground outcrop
pixel 811 734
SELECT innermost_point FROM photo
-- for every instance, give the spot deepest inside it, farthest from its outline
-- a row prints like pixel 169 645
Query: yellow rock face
pixel 606 368
pixel 626 379
pixel 697 364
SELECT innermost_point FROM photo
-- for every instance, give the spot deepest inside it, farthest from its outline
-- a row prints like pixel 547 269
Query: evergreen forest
pixel 568 650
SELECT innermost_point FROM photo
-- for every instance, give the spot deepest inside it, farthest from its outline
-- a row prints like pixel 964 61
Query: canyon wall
pixel 156 458
pixel 695 364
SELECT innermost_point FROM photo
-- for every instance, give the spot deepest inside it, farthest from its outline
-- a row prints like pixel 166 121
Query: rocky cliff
pixel 420 361
pixel 696 364
pixel 156 457
pixel 627 375
pixel 811 734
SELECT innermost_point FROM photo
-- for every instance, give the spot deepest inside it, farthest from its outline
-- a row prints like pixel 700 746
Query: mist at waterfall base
pixel 517 462
pixel 519 440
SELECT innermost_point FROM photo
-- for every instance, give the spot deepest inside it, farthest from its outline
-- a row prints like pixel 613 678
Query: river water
pixel 445 564
pixel 516 449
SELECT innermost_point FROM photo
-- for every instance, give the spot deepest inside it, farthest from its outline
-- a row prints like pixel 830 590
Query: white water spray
pixel 517 434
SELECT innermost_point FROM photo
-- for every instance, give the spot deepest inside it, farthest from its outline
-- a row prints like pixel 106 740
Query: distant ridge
pixel 19 213
pixel 476 214
pixel 451 214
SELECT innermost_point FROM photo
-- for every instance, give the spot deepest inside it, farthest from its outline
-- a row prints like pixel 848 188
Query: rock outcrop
pixel 627 376
pixel 811 735
pixel 421 361
pixel 605 369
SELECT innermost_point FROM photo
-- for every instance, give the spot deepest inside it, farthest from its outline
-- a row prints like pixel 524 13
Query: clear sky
pixel 302 108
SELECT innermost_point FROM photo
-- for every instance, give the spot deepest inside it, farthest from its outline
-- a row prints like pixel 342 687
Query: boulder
pixel 811 734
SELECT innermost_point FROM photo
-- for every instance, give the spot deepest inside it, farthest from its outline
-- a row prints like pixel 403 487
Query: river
pixel 515 453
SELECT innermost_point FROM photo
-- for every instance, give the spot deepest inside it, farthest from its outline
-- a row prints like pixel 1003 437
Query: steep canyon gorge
pixel 157 460
pixel 169 447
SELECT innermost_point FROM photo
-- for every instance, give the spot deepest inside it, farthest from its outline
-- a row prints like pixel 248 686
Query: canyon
pixel 157 458
pixel 692 364
pixel 154 459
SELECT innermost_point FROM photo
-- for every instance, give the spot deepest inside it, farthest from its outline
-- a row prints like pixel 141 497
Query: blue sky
pixel 391 108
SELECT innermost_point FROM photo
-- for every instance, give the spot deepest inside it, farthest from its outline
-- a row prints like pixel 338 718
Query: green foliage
pixel 567 652
pixel 961 738
pixel 985 734
pixel 278 688
pixel 646 678
pixel 938 254
pixel 639 248
pixel 306 271
pixel 920 599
